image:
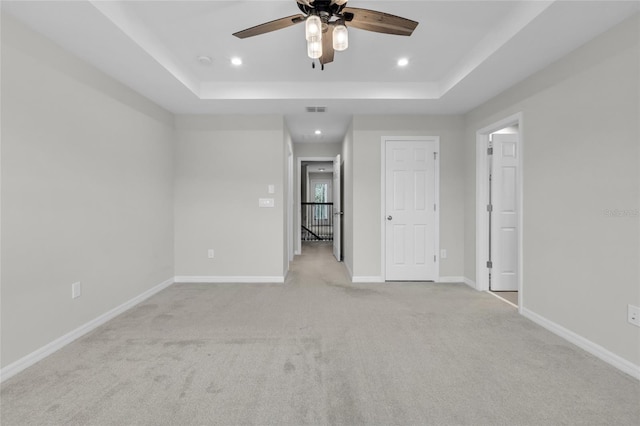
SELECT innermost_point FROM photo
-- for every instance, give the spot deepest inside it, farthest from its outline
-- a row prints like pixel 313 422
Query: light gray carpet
pixel 511 296
pixel 318 350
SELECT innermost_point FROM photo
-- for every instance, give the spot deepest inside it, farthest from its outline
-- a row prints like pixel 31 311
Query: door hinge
pixel 434 257
pixel 489 264
pixel 434 207
pixel 490 151
pixel 489 207
pixel 435 155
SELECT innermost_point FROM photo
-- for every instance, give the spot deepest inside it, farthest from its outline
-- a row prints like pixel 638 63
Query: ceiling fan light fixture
pixel 313 28
pixel 340 38
pixel 322 16
pixel 314 48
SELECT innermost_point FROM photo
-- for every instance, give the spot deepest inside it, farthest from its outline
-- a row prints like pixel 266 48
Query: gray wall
pixel 347 208
pixel 224 164
pixel 86 192
pixel 289 208
pixel 367 214
pixel 581 159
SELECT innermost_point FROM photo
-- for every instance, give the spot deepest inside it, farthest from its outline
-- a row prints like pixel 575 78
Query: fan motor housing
pixel 323 8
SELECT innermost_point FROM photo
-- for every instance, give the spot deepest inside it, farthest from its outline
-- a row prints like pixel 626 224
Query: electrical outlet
pixel 443 254
pixel 210 253
pixel 76 290
pixel 633 315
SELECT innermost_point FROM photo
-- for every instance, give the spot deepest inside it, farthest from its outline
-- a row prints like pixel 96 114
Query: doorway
pixel 499 209
pixel 410 222
pixel 319 218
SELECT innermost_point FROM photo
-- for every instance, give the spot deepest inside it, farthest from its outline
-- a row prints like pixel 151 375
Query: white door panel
pixel 410 216
pixel 504 227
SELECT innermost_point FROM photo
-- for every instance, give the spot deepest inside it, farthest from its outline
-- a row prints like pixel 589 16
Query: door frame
pixel 290 207
pixel 299 160
pixel 383 196
pixel 482 198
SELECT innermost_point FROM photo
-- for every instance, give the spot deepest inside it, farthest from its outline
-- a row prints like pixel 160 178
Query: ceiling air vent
pixel 316 109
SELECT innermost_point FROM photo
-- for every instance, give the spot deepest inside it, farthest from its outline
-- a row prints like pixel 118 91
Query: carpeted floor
pixel 510 296
pixel 318 351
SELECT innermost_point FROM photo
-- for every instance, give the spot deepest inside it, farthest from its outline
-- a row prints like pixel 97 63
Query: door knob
pixel 389 217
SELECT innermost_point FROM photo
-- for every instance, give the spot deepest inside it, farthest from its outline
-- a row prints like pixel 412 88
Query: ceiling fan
pixel 326 23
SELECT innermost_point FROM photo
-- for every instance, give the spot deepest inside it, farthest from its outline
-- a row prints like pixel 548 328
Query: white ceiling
pixel 461 54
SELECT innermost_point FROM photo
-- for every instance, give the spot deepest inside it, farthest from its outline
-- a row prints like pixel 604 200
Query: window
pixel 321 196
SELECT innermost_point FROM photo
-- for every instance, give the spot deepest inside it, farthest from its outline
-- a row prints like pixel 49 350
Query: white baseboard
pixel 589 346
pixel 39 354
pixel 228 279
pixel 470 283
pixel 349 271
pixel 450 280
pixel 455 279
pixel 365 279
pixel 378 279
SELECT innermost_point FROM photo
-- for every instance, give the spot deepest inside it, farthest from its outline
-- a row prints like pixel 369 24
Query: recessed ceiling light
pixel 318 132
pixel 204 60
pixel 403 62
pixel 236 61
pixel 321 169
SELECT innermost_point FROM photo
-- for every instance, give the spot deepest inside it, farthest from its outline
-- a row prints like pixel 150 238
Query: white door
pixel 337 210
pixel 410 210
pixel 504 213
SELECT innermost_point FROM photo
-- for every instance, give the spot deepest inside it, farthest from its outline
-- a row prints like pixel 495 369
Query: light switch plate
pixel 271 189
pixel 76 290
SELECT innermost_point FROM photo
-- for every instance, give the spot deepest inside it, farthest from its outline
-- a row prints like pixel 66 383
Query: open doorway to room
pixel 499 210
pixel 319 211
pixel 317 201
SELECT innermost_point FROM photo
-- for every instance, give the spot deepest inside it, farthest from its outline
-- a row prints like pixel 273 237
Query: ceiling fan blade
pixel 327 46
pixel 270 26
pixel 379 22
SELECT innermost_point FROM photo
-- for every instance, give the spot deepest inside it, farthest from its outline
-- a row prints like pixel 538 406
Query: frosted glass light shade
pixel 314 48
pixel 313 28
pixel 340 38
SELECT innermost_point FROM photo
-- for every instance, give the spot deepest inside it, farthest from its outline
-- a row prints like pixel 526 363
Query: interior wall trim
pixel 585 344
pixel 211 279
pixel 46 350
pixel 366 279
pixel 451 279
pixel 470 283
